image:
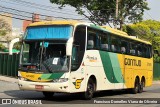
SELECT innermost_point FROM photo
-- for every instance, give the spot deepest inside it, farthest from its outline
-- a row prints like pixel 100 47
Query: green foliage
pixel 17 46
pixel 102 11
pixel 4 27
pixel 2 47
pixel 147 30
pixel 156 58
pixel 3 32
pixel 132 10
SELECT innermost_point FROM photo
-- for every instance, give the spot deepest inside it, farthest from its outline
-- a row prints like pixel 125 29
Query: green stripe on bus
pixel 98 27
pixel 52 76
pixel 116 67
pixel 56 75
pixel 45 76
pixel 111 67
pixel 107 65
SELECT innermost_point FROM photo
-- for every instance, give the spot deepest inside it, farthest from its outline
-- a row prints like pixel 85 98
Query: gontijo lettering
pixel 132 62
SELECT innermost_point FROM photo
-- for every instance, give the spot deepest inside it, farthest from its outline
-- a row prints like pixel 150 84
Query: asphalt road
pixel 11 90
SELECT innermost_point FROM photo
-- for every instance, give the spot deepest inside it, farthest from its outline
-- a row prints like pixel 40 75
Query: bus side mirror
pixel 69 46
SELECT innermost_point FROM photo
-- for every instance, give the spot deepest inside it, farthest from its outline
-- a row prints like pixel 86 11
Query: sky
pixel 49 9
pixel 154 11
pixel 67 12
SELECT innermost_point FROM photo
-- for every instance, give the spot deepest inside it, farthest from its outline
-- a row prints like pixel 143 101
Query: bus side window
pixel 144 51
pixel 104 41
pixel 92 39
pixel 149 51
pixel 78 47
pixel 124 46
pixel 90 44
pixel 104 46
pixel 115 44
pixel 139 50
pixel 123 50
pixel 132 48
pixel 113 48
pixel 74 58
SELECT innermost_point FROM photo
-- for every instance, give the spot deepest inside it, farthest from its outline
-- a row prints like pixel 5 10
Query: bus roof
pixel 56 22
pixel 75 22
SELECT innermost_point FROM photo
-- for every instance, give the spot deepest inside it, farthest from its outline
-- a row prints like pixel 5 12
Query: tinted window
pixel 124 46
pixel 115 43
pixel 78 47
pixel 104 45
pixel 139 51
pixel 93 39
pixel 132 48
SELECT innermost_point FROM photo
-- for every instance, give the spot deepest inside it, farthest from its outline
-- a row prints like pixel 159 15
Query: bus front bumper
pixel 44 86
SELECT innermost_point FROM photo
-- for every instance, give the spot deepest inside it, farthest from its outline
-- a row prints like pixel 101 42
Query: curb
pixel 156 82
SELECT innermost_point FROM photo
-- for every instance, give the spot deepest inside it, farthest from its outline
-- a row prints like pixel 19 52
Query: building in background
pixel 35 18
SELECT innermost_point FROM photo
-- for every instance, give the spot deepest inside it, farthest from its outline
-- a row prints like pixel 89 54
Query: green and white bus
pixel 79 57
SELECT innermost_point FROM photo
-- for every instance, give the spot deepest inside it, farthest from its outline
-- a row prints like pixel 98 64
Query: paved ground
pixel 9 89
pixel 8 79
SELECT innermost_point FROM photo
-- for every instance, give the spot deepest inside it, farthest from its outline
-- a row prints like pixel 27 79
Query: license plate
pixel 39 87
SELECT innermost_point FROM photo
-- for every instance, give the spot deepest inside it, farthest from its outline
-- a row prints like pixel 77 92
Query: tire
pixel 140 90
pixel 48 94
pixel 136 87
pixel 88 95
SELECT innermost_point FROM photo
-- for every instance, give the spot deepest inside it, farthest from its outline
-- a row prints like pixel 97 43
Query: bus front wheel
pixel 48 94
pixel 88 94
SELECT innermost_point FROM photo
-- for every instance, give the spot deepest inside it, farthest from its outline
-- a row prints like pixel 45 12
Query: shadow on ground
pixel 62 98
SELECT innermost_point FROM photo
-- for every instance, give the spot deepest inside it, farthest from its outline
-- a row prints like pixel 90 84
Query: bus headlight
pixel 60 80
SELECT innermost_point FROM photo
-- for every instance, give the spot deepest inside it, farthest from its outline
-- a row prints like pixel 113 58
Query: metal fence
pixel 156 70
pixel 9 64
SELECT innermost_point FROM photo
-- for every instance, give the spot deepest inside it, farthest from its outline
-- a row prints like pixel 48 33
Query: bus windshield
pixel 42 56
pixel 44 48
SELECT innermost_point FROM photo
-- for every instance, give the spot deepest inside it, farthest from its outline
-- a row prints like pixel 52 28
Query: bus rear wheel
pixel 142 84
pixel 88 95
pixel 136 87
pixel 48 94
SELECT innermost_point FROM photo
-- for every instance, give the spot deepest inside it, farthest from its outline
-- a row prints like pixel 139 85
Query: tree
pixel 2 47
pixel 102 12
pixel 131 11
pixel 5 28
pixel 147 30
